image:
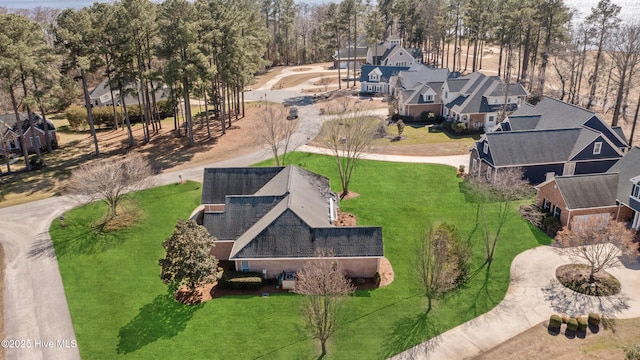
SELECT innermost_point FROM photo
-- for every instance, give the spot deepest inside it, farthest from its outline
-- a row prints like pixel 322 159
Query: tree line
pixel 210 49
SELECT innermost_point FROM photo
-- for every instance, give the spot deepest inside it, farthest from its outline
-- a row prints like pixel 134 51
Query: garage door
pixel 596 219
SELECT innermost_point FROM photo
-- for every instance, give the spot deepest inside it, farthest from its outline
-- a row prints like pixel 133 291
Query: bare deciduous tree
pixel 323 283
pixel 348 138
pixel 499 192
pixel 442 262
pixel 624 51
pixel 275 130
pixel 599 241
pixel 110 181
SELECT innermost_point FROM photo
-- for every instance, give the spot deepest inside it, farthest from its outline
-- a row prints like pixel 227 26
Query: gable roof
pixel 346 53
pixel 475 90
pixel 628 167
pixel 386 71
pixel 420 74
pixel 8 122
pixel 281 212
pixel 103 93
pixel 588 191
pixel 517 148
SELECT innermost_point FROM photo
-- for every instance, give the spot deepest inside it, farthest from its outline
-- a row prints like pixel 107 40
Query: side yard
pixel 121 308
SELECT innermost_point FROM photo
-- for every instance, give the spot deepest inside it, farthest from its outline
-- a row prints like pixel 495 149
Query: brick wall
pixel 364 267
pixel 549 192
pixel 416 110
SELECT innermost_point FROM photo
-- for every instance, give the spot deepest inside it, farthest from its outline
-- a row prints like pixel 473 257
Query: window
pixel 492 118
pixel 569 168
pixel 489 173
pixel 556 212
pixel 244 266
pixel 369 88
pixel 495 101
pixel 508 100
pixel 474 165
pixel 485 148
pixel 546 205
pixel 428 98
pixel 34 141
pixel 635 191
pixel 597 148
pixel 446 94
pixel 400 53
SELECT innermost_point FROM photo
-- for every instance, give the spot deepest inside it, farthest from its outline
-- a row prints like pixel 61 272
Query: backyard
pixel 121 308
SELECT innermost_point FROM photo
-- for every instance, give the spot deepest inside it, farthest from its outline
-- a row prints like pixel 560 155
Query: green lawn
pixel 420 134
pixel 120 308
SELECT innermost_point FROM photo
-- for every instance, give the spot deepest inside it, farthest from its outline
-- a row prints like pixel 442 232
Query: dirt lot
pixel 538 344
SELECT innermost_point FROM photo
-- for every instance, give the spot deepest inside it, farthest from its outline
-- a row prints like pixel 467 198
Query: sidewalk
pixel 534 294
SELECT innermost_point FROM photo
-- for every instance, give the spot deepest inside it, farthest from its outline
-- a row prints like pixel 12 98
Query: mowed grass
pixel 421 134
pixel 120 308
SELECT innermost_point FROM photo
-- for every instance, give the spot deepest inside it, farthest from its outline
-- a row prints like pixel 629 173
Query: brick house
pixel 32 136
pixel 272 220
pixel 419 89
pixel 613 194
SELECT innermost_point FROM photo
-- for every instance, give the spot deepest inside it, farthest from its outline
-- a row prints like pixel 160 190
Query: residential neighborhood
pixel 348 179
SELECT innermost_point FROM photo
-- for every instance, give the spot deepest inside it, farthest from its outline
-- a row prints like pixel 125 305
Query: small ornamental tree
pixel 323 283
pixel 188 260
pixel 442 262
pixel 110 181
pixel 598 241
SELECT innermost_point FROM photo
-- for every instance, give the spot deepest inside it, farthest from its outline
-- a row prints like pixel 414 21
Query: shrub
pixel 240 280
pixel 439 119
pixel 632 352
pixel 555 321
pixel 572 324
pixel 594 319
pixel 551 224
pixel 582 323
pixel 77 117
pixel 378 279
pixel 400 125
pixel 459 127
pixel 428 117
pixel 35 162
pixel 447 125
pixel 461 169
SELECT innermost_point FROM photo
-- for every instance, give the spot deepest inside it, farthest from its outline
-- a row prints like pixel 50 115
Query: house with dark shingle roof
pixel 550 139
pixel 32 136
pixel 376 79
pixel 102 94
pixel 614 194
pixel 476 100
pixel 274 219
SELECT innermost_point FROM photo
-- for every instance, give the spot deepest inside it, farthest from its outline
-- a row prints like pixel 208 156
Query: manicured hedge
pixel 240 280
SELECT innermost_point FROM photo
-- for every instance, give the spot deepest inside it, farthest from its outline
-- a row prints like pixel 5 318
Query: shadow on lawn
pixel 407 335
pixel 483 299
pixel 163 318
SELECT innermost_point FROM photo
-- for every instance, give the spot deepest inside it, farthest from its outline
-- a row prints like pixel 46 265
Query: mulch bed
pixel 576 278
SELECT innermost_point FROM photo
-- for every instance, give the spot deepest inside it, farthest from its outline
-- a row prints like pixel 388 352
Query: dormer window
pixel 427 97
pixel 485 148
pixel 635 191
pixel 597 148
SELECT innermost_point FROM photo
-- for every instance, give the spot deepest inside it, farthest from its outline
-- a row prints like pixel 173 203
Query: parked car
pixel 293 113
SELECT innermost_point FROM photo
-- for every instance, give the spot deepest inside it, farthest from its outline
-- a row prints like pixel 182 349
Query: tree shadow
pixel 483 298
pixel 163 318
pixel 408 334
pixel 77 238
pixel 541 237
pixel 566 301
pixel 298 101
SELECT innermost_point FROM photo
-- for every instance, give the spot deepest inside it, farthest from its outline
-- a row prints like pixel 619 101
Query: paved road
pixel 36 307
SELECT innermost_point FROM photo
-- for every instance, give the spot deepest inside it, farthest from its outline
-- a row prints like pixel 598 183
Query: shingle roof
pixel 552 114
pixel 284 213
pixel 517 148
pixel 588 191
pixel 387 71
pixel 9 119
pixel 455 85
pixel 628 167
pixel 220 182
pixel 347 53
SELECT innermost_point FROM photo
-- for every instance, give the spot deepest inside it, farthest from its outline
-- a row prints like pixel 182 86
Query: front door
pixel 244 266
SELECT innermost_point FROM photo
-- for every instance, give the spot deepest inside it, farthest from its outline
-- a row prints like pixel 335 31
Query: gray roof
pixel 283 212
pixel 588 191
pixel 419 75
pixel 102 92
pixel 455 85
pixel 347 53
pixel 474 92
pixel 8 122
pixel 516 148
pixel 220 182
pixel 628 167
pixel 551 114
